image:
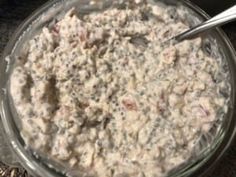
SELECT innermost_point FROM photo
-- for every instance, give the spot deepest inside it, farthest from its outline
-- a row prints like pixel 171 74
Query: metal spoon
pixel 220 19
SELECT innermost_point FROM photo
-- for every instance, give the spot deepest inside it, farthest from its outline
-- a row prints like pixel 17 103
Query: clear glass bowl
pixel 13 151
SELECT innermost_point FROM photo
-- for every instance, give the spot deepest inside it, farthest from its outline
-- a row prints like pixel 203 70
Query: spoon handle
pixel 220 19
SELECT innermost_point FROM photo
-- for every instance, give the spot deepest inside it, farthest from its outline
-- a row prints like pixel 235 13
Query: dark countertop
pixel 13 12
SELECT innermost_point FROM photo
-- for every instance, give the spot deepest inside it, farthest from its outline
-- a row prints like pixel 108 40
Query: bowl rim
pixel 34 166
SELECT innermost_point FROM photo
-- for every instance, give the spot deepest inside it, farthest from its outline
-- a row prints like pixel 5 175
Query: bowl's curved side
pixel 29 162
pixel 205 164
pixel 208 163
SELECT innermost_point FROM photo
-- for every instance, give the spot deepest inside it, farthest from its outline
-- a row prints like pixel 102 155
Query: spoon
pixel 218 20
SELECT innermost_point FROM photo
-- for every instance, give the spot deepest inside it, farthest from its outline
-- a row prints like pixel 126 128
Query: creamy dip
pixel 101 94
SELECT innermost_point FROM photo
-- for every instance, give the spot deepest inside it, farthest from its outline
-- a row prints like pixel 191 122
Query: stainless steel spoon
pixel 220 19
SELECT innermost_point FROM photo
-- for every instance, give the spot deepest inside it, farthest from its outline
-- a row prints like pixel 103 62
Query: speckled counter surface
pixel 13 12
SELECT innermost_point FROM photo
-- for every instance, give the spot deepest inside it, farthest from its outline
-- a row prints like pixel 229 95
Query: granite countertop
pixel 13 12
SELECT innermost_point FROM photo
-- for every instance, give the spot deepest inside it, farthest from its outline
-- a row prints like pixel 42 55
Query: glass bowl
pixel 14 152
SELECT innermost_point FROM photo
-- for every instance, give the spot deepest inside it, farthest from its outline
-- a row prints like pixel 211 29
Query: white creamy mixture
pixel 100 94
